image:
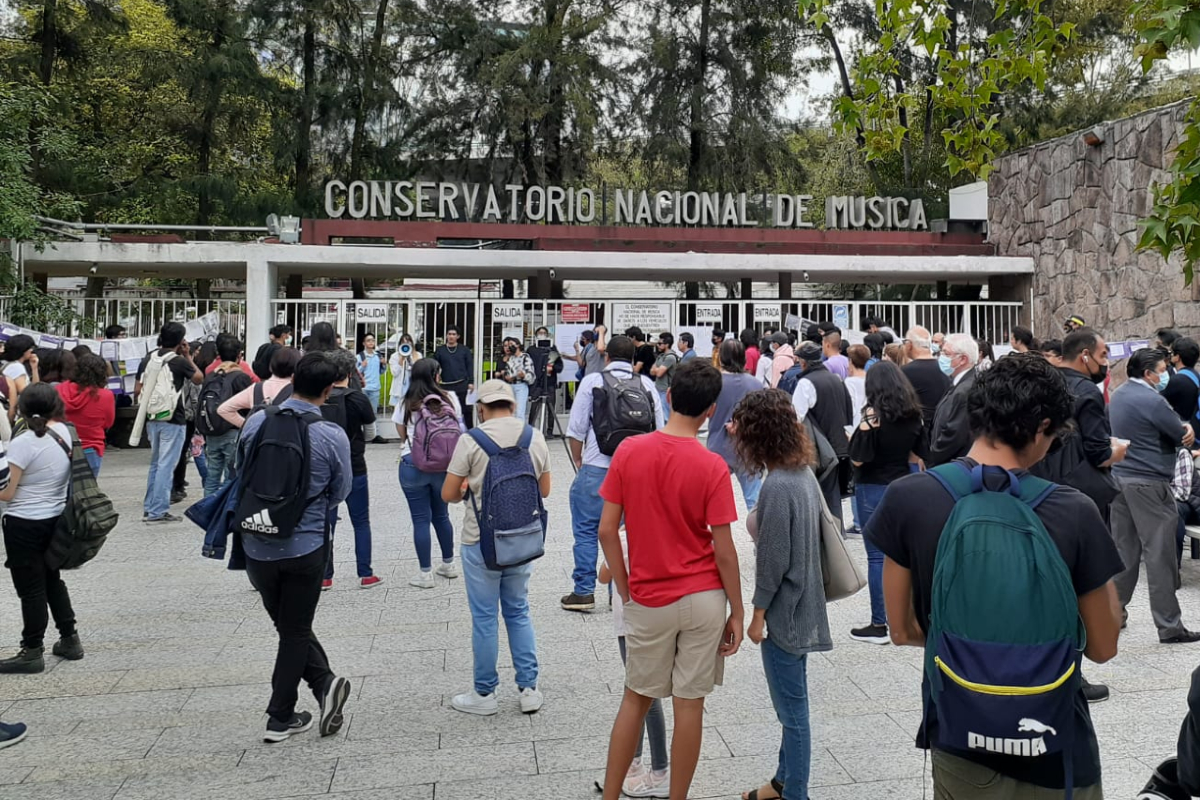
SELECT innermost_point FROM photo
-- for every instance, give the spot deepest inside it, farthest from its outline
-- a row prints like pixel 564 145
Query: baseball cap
pixel 1075 321
pixel 810 351
pixel 496 391
pixel 779 337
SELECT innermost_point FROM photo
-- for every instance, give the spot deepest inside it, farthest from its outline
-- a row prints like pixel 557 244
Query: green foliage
pixel 943 64
pixel 1171 227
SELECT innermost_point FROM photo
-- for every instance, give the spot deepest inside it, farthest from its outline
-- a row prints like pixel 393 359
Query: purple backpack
pixel 435 434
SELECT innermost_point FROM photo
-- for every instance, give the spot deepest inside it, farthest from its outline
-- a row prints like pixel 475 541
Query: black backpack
pixel 275 476
pixel 621 407
pixel 216 389
pixel 261 402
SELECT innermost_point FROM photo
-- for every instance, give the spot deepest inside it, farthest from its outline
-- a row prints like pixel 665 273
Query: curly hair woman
pixel 789 596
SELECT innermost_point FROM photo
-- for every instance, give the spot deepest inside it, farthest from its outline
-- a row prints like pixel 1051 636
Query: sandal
pixel 753 793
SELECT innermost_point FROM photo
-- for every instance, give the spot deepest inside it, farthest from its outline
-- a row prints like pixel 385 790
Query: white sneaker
pixel 649 784
pixel 531 700
pixel 447 570
pixel 474 703
pixel 422 580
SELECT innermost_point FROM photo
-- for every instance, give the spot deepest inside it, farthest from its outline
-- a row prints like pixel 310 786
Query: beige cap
pixel 496 391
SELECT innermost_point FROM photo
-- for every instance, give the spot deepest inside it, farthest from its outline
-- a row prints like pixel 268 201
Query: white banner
pixel 652 318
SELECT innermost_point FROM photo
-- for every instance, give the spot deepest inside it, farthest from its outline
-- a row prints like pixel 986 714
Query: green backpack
pixel 1005 638
pixel 88 516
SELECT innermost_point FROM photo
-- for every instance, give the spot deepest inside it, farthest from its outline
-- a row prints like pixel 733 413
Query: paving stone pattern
pixel 169 700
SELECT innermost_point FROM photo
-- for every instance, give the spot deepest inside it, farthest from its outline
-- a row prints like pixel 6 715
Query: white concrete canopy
pixel 260 265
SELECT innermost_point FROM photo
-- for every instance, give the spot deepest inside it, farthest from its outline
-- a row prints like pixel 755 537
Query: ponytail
pixel 38 424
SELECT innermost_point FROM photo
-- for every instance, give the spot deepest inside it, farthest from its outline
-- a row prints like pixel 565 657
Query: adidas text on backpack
pixel 1005 638
pixel 435 434
pixel 87 518
pixel 621 407
pixel 274 479
pixel 512 518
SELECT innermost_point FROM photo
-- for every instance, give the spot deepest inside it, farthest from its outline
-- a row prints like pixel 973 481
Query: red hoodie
pixel 92 412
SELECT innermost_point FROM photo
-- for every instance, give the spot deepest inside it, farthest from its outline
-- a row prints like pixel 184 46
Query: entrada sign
pixel 572 206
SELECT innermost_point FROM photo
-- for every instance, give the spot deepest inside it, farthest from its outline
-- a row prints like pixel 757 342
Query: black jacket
pixel 1074 460
pixel 951 428
pixel 833 412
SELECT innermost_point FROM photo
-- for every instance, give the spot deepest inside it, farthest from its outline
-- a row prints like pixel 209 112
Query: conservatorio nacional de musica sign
pixel 583 206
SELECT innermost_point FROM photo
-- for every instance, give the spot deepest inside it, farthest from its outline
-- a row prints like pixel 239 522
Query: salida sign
pixel 583 206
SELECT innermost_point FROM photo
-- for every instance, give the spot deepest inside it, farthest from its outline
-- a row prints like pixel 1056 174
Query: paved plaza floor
pixel 169 701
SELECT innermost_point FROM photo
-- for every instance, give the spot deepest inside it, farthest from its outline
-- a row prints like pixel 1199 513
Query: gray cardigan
pixel 788 581
pixel 1141 415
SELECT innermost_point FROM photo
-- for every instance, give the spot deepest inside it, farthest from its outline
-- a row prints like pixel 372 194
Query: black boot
pixel 69 647
pixel 29 660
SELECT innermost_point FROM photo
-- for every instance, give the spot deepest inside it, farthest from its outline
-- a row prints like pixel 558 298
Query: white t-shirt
pixel 410 424
pixel 857 386
pixel 14 370
pixel 45 469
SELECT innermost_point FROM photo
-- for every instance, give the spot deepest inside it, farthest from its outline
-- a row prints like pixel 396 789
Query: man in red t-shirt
pixel 683 569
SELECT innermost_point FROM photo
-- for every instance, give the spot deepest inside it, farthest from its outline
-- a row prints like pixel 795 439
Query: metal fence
pixel 141 316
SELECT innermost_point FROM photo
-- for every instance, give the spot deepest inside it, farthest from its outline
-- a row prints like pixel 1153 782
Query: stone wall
pixel 1074 209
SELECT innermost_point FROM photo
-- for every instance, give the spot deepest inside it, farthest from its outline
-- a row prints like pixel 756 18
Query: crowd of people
pixel 941 447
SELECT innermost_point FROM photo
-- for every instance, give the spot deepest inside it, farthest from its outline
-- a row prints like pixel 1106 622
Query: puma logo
pixel 1028 725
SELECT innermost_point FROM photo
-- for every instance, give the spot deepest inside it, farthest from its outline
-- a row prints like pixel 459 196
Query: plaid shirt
pixel 1181 483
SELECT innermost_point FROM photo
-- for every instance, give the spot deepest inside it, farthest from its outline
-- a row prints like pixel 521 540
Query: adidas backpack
pixel 87 518
pixel 512 517
pixel 216 389
pixel 621 407
pixel 274 479
pixel 1002 654
pixel 435 434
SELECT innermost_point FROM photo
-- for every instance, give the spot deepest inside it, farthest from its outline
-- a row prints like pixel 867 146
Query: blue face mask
pixel 944 363
pixel 935 347
pixel 1163 380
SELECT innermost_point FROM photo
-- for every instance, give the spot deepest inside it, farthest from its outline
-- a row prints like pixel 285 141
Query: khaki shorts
pixel 673 649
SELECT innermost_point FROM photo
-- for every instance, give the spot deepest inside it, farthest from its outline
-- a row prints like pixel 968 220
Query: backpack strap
pixel 485 442
pixel 258 395
pixel 954 477
pixel 66 447
pixel 959 480
pixel 526 438
pixel 1033 490
pixel 1191 376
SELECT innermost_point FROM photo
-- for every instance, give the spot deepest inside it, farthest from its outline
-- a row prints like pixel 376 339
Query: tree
pixel 944 69
pixel 1171 228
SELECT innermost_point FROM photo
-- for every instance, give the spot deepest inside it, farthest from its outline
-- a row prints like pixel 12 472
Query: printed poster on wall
pixel 652 318
pixel 566 337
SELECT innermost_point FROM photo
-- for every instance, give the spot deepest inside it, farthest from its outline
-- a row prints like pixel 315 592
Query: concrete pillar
pixel 785 286
pixel 540 285
pixel 747 288
pixel 262 285
pixel 294 287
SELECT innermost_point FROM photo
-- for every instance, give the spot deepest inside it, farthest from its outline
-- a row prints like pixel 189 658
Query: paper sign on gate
pixel 702 334
pixel 575 312
pixel 652 318
pixel 508 314
pixel 841 316
pixel 566 338
pixel 792 323
pixel 370 312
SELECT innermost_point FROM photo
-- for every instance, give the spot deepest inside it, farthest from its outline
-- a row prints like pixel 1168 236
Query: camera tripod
pixel 544 404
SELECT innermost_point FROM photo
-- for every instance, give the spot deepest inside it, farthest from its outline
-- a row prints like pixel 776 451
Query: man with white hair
pixel 924 374
pixel 951 429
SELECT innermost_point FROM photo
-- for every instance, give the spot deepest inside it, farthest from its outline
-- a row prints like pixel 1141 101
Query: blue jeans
pixel 359 503
pixel 93 459
pixel 666 407
pixel 166 440
pixel 369 430
pixel 508 589
pixel 854 509
pixel 586 505
pixel 869 495
pixel 787 680
pixel 521 390
pixel 423 491
pixel 751 485
pixel 219 452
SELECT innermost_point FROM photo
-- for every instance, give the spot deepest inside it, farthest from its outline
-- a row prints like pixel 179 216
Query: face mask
pixel 936 348
pixel 1163 379
pixel 945 364
pixel 1101 374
